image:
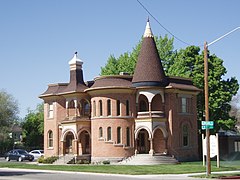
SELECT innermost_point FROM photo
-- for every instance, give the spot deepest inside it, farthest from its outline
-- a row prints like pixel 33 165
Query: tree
pixel 127 61
pixel 33 127
pixel 8 116
pixel 188 63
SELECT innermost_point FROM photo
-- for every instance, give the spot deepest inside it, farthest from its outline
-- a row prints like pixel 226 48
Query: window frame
pixel 50 139
pixel 109 133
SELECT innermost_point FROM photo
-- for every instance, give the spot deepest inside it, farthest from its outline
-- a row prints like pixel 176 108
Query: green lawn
pixel 188 167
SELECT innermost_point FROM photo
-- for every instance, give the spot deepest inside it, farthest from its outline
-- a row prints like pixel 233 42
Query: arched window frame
pixel 94 108
pixel 100 108
pixel 50 139
pixel 109 108
pixel 118 108
pixel 119 135
pixel 109 134
pixel 185 135
pixel 100 132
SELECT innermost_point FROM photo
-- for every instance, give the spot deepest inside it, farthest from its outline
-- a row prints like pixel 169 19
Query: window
pixel 118 107
pixel 127 108
pixel 184 104
pixel 109 133
pixel 100 108
pixel 109 107
pixel 119 135
pixel 185 135
pixel 50 139
pixel 50 110
pixel 100 132
pixel 94 108
pixel 128 136
pixel 143 106
pixel 237 146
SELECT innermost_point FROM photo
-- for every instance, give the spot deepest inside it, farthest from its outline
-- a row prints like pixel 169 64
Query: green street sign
pixel 207 124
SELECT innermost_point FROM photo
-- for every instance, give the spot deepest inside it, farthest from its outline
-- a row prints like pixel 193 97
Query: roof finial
pixel 75 53
pixel 148 31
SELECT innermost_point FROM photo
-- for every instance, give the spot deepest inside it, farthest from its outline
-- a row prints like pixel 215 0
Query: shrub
pixel 106 162
pixel 48 160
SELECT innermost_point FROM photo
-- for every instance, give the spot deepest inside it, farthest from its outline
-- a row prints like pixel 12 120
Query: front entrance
pixel 69 143
pixel 143 144
pixel 84 143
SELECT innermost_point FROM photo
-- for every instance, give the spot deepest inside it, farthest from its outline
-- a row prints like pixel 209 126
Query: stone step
pixel 64 159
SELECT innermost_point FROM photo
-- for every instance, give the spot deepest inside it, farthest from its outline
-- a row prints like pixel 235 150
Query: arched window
pixel 127 108
pixel 143 106
pixel 109 107
pixel 128 136
pixel 118 108
pixel 50 139
pixel 185 136
pixel 109 133
pixel 119 135
pixel 94 108
pixel 100 108
pixel 100 132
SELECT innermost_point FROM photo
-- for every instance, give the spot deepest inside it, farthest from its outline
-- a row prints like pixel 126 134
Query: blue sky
pixel 38 38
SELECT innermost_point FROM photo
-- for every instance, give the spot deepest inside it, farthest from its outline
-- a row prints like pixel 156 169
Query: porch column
pixel 151 146
pixel 62 148
pixel 165 148
pixel 75 147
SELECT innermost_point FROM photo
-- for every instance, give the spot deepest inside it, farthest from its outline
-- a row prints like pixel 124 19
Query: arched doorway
pixel 159 142
pixel 143 144
pixel 84 143
pixel 69 143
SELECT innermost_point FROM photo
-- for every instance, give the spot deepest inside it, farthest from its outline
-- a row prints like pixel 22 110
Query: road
pixel 23 174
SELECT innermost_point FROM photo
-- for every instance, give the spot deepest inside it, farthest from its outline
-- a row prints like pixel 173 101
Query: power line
pixel 162 25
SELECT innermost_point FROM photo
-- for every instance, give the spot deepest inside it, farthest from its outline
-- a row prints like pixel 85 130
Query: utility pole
pixel 208 167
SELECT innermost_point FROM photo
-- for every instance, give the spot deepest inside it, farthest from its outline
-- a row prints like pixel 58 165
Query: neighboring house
pixel 229 145
pixel 16 133
pixel 117 116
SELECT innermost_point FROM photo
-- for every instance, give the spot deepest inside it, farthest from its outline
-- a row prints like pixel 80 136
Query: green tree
pixel 33 127
pixel 189 63
pixel 127 61
pixel 8 116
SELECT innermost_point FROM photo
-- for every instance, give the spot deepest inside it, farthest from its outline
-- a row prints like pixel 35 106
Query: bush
pixel 48 160
pixel 83 161
pixel 106 162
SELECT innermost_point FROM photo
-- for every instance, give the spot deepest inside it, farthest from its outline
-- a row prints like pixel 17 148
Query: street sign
pixel 207 124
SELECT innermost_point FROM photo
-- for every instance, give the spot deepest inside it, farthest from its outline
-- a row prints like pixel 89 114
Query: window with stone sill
pixel 109 134
pixel 119 135
pixel 50 139
pixel 50 110
pixel 109 109
pixel 100 132
pixel 118 108
pixel 100 108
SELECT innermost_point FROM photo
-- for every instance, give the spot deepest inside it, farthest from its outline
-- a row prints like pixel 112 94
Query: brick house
pixel 118 116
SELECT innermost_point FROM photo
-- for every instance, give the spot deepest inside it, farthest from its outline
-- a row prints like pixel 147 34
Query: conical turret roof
pixel 149 70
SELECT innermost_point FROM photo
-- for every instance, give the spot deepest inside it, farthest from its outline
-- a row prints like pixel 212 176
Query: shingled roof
pixel 149 70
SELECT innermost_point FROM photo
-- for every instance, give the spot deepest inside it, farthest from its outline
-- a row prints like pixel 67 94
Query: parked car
pixel 37 153
pixel 19 155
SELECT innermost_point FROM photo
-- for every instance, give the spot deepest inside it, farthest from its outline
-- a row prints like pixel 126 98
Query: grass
pixel 186 167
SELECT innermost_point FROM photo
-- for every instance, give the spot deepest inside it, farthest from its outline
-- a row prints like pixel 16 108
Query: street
pixel 27 174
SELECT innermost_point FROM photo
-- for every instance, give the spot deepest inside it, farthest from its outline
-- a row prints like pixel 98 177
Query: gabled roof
pixel 149 70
